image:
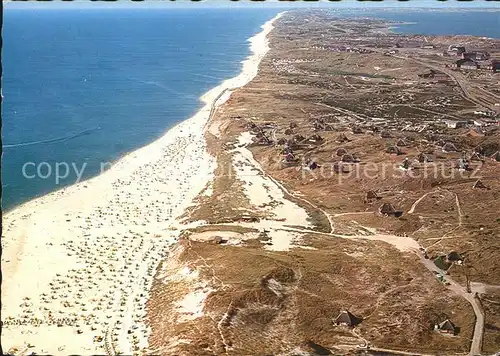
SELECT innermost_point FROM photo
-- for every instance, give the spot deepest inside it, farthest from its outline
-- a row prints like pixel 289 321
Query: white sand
pixel 283 240
pixel 261 191
pixel 265 195
pixel 191 306
pixel 402 243
pixel 230 237
pixel 85 256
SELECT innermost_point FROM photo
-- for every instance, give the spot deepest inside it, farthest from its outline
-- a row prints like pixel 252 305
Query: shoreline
pixel 75 242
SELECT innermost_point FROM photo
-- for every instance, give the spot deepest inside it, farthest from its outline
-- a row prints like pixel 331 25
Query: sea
pixel 467 22
pixel 83 87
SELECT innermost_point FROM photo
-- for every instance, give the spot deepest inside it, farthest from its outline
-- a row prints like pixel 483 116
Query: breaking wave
pixel 52 140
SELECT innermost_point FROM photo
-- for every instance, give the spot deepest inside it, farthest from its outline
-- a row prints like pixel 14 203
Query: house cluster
pixel 344 49
pixel 391 52
pixel 482 125
pixel 265 135
pixel 469 64
pixel 288 65
pixel 454 50
pixel 295 148
pixel 473 60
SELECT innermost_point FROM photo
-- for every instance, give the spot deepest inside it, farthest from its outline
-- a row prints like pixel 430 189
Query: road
pixel 477 339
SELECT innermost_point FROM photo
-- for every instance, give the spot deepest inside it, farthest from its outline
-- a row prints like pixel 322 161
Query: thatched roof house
pixel 217 240
pixel 401 143
pixel 348 158
pixel 289 157
pixel 394 150
pixel 346 318
pixel 475 157
pixel 449 147
pixel 313 165
pixel 298 138
pixel 289 160
pixel 388 209
pixel 442 263
pixel 341 151
pixel 423 158
pixel 446 327
pixel 406 164
pixel 250 125
pixel 315 138
pixel 371 196
pixel 342 138
pixel 463 164
pixel 282 141
pixel 318 125
pixel 454 256
pixel 385 134
pixel 479 185
pixel 357 130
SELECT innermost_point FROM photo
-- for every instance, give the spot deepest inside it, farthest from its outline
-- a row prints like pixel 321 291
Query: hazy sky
pixel 448 4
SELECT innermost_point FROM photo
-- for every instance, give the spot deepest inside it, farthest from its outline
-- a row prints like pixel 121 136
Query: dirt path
pixel 399 352
pixel 412 209
pixel 343 111
pixel 434 112
pixel 477 339
pixel 459 210
pixel 459 221
pixel 354 213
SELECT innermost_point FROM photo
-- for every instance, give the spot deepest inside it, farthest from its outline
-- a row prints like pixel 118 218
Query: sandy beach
pixel 78 263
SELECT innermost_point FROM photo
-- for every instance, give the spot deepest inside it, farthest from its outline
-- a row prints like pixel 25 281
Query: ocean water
pixel 84 87
pixel 474 23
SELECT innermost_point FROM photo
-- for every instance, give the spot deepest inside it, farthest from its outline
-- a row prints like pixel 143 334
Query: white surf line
pixel 90 244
